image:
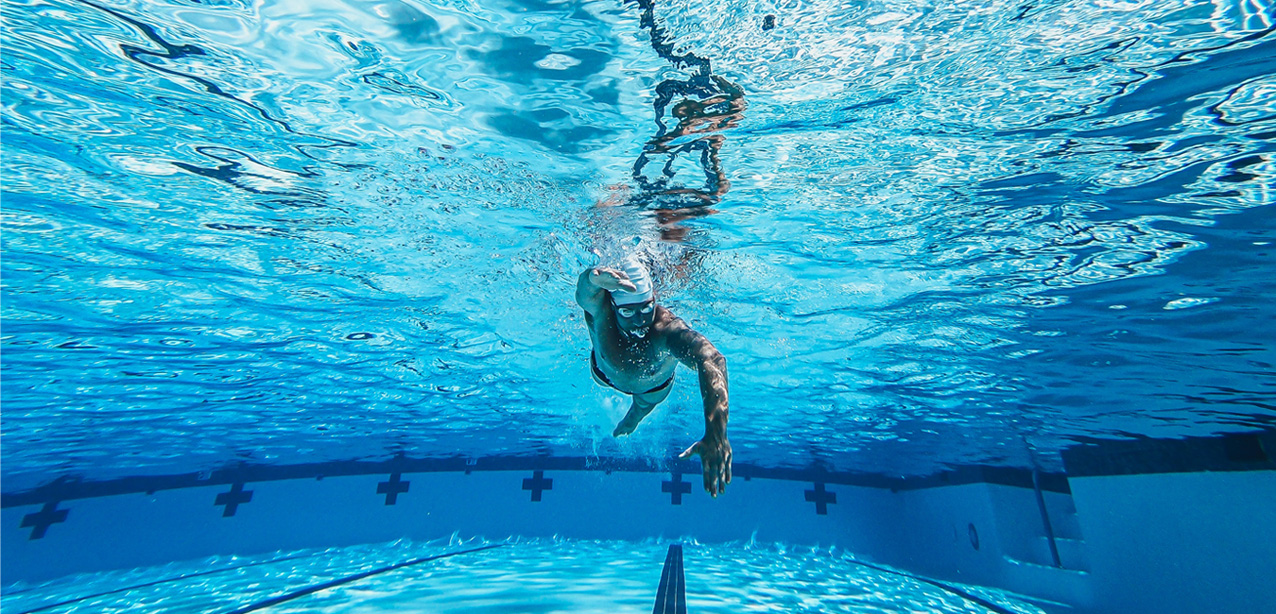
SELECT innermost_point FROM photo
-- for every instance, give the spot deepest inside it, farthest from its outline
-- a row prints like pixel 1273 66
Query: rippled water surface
pixel 922 233
pixel 525 576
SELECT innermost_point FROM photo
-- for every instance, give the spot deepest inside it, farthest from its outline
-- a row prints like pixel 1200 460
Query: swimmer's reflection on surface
pixel 708 106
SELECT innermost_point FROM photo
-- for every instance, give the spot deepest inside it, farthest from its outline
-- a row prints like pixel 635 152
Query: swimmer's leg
pixel 642 405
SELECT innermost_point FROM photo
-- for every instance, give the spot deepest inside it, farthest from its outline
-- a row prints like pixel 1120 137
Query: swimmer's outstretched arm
pixel 593 285
pixel 694 350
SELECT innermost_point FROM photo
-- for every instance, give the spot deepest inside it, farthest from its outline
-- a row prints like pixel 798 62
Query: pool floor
pixel 518 575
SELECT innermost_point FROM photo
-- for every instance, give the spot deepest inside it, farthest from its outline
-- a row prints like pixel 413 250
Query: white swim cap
pixel 639 277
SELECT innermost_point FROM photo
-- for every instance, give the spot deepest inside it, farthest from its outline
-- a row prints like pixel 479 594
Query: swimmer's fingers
pixel 611 279
pixel 710 477
pixel 716 469
pixel 721 471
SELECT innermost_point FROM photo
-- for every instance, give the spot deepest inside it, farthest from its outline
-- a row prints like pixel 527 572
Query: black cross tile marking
pixel 821 498
pixel 393 488
pixel 676 487
pixel 233 499
pixel 41 521
pixel 537 483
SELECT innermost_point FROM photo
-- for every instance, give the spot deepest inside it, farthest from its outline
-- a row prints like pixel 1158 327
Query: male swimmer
pixel 636 347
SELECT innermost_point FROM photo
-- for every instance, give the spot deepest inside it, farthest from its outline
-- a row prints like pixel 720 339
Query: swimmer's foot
pixel 629 422
pixel 626 426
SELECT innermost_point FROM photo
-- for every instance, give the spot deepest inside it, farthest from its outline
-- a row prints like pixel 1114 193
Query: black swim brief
pixel 602 378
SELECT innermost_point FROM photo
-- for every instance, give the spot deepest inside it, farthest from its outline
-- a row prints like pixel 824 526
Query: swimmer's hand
pixel 715 461
pixel 611 279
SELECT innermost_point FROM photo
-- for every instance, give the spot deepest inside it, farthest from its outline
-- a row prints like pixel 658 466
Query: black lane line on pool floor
pixel 348 579
pixel 165 581
pixel 976 599
pixel 671 597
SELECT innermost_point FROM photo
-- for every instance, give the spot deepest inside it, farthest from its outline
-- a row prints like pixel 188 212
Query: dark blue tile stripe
pixel 273 601
pixel 1250 451
pixel 671 597
pixel 165 581
pixel 71 488
pixel 1253 451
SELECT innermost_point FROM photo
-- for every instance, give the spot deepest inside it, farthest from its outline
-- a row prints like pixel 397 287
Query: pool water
pixel 352 229
pixel 524 575
pixel 1002 245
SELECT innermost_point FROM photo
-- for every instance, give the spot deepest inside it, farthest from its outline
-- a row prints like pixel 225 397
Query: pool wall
pixel 1182 525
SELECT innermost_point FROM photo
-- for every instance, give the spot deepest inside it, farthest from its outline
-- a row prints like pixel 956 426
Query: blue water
pixel 923 235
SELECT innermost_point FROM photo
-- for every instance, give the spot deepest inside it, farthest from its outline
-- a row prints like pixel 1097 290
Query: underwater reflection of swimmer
pixel 721 107
pixel 637 346
pixel 708 105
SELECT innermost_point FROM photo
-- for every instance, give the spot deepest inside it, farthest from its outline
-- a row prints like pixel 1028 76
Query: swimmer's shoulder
pixel 666 323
